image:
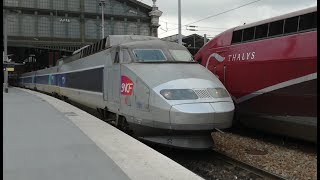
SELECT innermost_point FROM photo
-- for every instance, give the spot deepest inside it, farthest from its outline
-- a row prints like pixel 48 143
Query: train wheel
pixel 101 114
pixel 65 99
pixel 123 125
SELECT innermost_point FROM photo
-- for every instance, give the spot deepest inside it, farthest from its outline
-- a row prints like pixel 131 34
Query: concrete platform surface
pixel 46 138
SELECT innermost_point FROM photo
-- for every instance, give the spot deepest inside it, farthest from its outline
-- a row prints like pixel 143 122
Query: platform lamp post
pixel 102 3
pixel 5 53
pixel 179 22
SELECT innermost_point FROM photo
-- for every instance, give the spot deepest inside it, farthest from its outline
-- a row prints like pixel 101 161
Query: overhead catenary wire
pixel 214 15
pixel 197 26
pixel 224 12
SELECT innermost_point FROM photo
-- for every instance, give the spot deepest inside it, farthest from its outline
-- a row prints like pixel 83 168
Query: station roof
pixel 141 4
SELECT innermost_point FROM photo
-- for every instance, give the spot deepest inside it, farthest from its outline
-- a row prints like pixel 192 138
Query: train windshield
pixel 181 55
pixel 149 55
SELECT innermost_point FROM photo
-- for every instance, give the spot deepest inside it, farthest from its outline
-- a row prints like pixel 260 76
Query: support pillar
pixel 155 14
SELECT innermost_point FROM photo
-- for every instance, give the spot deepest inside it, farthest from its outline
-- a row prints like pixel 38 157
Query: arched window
pixel 91 29
pixel 13 26
pixel 27 25
pixel 44 26
pixel 132 28
pixel 90 5
pixel 11 2
pixel 27 3
pixel 59 28
pixel 74 5
pixel 107 29
pixel 74 28
pixel 58 5
pixel 119 28
pixel 44 4
pixel 145 30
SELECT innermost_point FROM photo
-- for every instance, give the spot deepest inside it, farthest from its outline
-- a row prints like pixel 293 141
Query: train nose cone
pixel 202 116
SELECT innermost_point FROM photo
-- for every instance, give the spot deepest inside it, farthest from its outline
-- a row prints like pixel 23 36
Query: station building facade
pixel 66 25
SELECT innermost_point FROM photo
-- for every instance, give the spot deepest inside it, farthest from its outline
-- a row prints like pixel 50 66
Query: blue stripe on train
pixel 90 80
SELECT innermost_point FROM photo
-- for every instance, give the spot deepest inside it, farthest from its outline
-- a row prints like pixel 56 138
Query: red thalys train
pixel 270 69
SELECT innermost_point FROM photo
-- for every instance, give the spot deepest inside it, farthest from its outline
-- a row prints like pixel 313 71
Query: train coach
pixel 145 86
pixel 270 69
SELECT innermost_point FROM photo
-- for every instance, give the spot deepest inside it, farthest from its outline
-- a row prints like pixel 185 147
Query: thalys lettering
pixel 126 86
pixel 241 56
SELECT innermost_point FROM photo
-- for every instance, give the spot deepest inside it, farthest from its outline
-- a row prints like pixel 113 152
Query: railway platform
pixel 46 138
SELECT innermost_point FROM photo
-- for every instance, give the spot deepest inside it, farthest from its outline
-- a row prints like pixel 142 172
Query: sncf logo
pixel 126 86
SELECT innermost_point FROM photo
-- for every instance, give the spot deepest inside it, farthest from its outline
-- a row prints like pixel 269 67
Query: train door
pixel 112 80
pixel 106 78
pixel 116 78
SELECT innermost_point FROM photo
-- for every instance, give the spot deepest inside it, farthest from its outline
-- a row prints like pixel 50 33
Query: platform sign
pixel 10 69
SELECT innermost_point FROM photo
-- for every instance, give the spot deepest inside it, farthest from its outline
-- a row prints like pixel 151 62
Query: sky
pixel 193 10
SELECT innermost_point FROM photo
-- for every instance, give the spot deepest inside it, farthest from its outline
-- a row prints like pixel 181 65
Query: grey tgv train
pixel 148 87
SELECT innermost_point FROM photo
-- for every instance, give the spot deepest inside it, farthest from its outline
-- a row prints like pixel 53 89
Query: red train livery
pixel 270 69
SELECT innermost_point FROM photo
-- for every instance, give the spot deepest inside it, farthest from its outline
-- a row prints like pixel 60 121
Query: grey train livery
pixel 150 88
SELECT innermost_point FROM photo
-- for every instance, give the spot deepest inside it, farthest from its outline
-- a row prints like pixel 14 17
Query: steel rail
pixel 258 171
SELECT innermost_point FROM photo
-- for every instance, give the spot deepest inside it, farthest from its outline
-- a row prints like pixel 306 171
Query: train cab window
pixel 291 25
pixel 181 55
pixel 248 34
pixel 126 58
pixel 276 28
pixel 149 55
pixel 237 36
pixel 261 31
pixel 308 21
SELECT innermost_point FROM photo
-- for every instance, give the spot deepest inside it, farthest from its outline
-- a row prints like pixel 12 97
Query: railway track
pixel 213 165
pixel 257 171
pixel 208 164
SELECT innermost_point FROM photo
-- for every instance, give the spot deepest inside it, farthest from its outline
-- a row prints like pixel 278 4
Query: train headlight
pixel 178 94
pixel 218 92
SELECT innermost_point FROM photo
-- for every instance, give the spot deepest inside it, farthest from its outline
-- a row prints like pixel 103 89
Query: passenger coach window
pixel 291 25
pixel 248 34
pixel 276 28
pixel 308 21
pixel 261 31
pixel 237 36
